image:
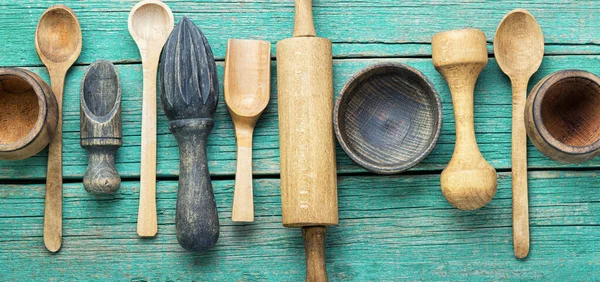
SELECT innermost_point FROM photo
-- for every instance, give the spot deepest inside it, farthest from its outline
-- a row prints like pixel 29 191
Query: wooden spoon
pixel 247 89
pixel 58 44
pixel 150 23
pixel 519 49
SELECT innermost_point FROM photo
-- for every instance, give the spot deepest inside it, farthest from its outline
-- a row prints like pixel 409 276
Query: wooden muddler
pixel 307 151
pixel 101 129
pixel 189 94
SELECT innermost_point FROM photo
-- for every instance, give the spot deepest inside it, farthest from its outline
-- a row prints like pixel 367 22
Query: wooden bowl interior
pixel 18 109
pixel 570 111
pixel 388 117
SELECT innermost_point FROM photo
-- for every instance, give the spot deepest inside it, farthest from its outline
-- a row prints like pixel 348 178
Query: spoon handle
pixel 53 205
pixel 519 172
pixel 147 225
pixel 243 202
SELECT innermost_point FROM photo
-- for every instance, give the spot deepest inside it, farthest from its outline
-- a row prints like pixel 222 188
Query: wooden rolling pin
pixel 308 169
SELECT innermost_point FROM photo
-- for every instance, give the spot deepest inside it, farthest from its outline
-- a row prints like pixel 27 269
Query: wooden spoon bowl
pixel 28 114
pixel 562 116
pixel 388 118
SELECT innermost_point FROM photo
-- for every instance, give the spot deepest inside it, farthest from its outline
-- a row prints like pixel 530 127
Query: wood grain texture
pixel 492 127
pixel 29 114
pixel 412 219
pixel 562 117
pixel 101 128
pixel 190 94
pixel 519 50
pixel 379 28
pixel 246 89
pixel 469 181
pixel 388 117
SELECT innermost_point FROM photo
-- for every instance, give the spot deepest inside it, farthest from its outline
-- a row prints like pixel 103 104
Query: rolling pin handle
pixel 303 23
pixel 314 247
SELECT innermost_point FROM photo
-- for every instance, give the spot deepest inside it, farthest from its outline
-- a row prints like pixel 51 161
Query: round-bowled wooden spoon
pixel 519 50
pixel 247 89
pixel 58 44
pixel 150 23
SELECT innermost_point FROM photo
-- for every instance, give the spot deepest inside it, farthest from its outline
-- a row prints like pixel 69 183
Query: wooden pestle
pixel 468 182
pixel 189 94
pixel 101 130
pixel 308 168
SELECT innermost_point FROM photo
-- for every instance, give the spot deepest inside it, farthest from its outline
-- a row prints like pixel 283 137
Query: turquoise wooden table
pixel 391 227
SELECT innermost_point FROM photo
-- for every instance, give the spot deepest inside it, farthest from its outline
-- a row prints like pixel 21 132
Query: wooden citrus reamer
pixel 247 89
pixel 307 151
pixel 58 44
pixel 469 181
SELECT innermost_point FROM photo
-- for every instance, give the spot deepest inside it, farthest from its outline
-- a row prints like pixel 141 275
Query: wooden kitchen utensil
pixel 519 50
pixel 388 117
pixel 58 44
pixel 28 114
pixel 150 23
pixel 562 116
pixel 101 133
pixel 469 181
pixel 308 167
pixel 189 94
pixel 247 88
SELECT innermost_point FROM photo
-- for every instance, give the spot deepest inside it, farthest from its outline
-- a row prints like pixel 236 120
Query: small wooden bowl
pixel 388 117
pixel 562 116
pixel 28 114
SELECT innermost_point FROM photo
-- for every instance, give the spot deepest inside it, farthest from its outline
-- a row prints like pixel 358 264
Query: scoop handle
pixel 303 23
pixel 101 176
pixel 197 220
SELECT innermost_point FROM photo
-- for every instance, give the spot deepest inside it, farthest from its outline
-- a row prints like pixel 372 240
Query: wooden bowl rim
pixel 368 72
pixel 38 89
pixel 540 91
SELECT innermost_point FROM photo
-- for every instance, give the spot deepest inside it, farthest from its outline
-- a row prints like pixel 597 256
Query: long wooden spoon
pixel 519 50
pixel 58 44
pixel 247 89
pixel 150 23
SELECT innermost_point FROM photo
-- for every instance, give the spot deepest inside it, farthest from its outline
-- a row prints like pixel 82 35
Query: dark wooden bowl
pixel 388 117
pixel 28 114
pixel 562 116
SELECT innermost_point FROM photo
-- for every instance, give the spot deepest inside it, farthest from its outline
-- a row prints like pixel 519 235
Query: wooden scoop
pixel 150 23
pixel 101 129
pixel 58 44
pixel 519 50
pixel 189 94
pixel 247 90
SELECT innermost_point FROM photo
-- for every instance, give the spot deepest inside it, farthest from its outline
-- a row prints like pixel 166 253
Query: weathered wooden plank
pixel 492 124
pixel 391 228
pixel 357 28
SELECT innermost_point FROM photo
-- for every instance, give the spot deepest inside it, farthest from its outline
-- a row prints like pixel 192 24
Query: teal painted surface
pixel 391 228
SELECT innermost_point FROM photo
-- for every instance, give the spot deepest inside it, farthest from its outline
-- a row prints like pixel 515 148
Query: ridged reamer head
pixel 188 74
